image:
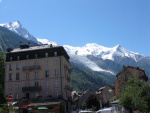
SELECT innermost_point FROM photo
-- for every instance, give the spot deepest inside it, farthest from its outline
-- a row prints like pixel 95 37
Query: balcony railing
pixel 31 88
pixel 67 87
pixel 31 67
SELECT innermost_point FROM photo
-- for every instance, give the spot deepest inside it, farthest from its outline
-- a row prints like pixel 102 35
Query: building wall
pixel 56 83
pixel 125 74
pixel 83 98
pixel 104 95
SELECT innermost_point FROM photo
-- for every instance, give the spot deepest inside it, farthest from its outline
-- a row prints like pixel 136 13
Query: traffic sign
pixel 9 98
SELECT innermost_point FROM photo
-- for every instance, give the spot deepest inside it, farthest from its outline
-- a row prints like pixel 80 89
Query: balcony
pixel 67 87
pixel 35 67
pixel 31 88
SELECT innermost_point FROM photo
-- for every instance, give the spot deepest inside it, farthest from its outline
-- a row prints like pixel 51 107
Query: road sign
pixel 9 98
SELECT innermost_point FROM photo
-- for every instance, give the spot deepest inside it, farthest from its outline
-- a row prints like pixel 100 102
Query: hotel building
pixel 38 73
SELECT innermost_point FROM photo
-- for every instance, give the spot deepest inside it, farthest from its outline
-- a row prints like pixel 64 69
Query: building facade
pixel 104 96
pixel 38 72
pixel 125 74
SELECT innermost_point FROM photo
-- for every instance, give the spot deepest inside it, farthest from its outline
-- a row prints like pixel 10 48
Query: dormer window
pixel 10 58
pixel 27 57
pixel 46 55
pixel 55 53
pixel 18 58
pixel 36 56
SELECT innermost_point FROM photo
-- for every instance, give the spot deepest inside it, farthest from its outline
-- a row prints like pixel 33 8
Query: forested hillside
pixel 84 79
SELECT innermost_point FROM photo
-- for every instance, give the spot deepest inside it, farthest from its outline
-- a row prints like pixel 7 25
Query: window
pixel 17 86
pixel 10 58
pixel 36 56
pixel 55 53
pixel 27 84
pixel 18 58
pixel 10 76
pixel 27 57
pixel 46 55
pixel 47 84
pixel 35 63
pixel 17 76
pixel 56 93
pixel 56 72
pixel 27 76
pixel 10 67
pixel 9 86
pixel 46 73
pixel 17 67
pixel 36 74
pixel 56 83
pixel 46 63
pixel 47 94
pixel 36 84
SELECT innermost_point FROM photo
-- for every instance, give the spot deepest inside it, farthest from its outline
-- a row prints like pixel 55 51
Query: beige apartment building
pixel 38 73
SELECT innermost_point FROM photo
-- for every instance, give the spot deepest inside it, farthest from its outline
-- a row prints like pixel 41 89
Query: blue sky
pixel 77 22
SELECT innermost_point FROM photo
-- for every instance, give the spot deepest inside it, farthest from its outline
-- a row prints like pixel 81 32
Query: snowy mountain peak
pixel 15 24
pixel 103 52
pixel 12 25
pixel 19 29
pixel 116 53
pixel 118 47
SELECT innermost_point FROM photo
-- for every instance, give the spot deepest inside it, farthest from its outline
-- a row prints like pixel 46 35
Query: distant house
pixel 125 74
pixel 80 99
pixel 104 95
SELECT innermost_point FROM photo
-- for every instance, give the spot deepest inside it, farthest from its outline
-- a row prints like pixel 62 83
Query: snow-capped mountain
pixel 19 29
pixel 46 41
pixel 103 52
pixel 80 54
pixel 116 54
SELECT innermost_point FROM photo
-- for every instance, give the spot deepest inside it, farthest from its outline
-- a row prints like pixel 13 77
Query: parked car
pixel 106 110
pixel 86 111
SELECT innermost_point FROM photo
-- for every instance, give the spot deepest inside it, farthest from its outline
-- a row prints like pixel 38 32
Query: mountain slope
pixel 84 79
pixel 19 29
pixel 9 39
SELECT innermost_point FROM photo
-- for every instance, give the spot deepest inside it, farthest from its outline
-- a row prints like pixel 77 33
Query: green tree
pixel 92 103
pixel 2 75
pixel 136 95
pixel 4 108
